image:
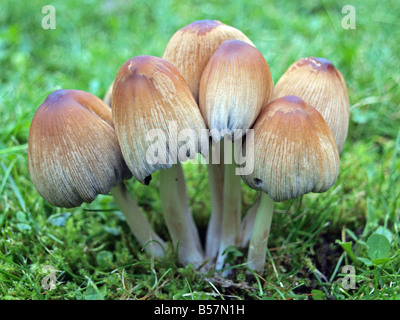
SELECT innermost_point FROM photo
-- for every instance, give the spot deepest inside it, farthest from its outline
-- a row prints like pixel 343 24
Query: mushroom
pixel 74 155
pixel 151 101
pixel 189 50
pixel 321 85
pixel 235 85
pixel 294 153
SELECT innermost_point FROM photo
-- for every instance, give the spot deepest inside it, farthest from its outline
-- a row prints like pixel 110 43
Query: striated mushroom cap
pixel 73 151
pixel 155 116
pixel 190 48
pixel 234 87
pixel 321 85
pixel 294 151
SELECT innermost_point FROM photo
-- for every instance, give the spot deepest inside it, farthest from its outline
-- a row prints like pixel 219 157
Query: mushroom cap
pixel 321 85
pixel 73 151
pixel 235 85
pixel 294 151
pixel 190 48
pixel 151 97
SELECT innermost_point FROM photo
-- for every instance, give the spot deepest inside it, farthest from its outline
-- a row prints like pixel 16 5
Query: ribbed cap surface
pixel 73 151
pixel 190 48
pixel 294 151
pixel 321 85
pixel 150 97
pixel 235 85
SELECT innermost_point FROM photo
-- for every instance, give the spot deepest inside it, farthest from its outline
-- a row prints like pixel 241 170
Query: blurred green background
pixel 91 41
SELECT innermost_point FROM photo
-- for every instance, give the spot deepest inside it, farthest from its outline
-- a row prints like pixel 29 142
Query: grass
pixel 355 223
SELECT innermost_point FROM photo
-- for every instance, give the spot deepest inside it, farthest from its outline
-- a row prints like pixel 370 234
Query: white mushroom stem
pixel 216 184
pixel 182 230
pixel 246 228
pixel 138 222
pixel 230 233
pixel 259 238
pixel 184 201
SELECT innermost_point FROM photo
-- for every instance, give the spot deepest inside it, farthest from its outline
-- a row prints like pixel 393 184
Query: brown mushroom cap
pixel 150 94
pixel 73 151
pixel 294 151
pixel 190 48
pixel 321 85
pixel 235 85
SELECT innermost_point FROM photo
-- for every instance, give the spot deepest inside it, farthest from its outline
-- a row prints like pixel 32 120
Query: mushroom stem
pixel 179 221
pixel 231 216
pixel 184 201
pixel 246 228
pixel 259 238
pixel 216 184
pixel 137 221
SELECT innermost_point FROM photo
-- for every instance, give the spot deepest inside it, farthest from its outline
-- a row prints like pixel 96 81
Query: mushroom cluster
pixel 210 96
